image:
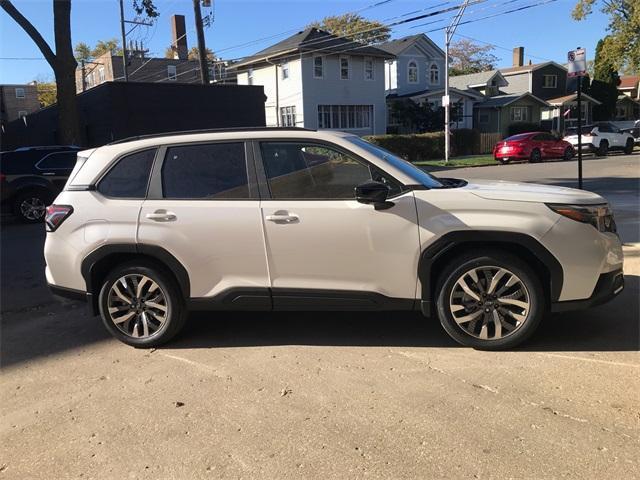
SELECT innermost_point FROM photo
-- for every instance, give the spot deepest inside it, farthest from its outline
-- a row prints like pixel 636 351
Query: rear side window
pixel 58 161
pixel 212 171
pixel 129 177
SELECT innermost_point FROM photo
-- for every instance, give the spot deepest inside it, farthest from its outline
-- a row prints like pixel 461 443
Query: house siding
pixel 538 82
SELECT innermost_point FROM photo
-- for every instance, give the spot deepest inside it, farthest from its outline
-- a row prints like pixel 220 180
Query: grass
pixel 466 161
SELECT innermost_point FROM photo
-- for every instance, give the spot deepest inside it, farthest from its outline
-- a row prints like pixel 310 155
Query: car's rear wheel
pixel 30 207
pixel 489 300
pixel 141 305
pixel 535 156
pixel 603 148
pixel 568 154
pixel 628 149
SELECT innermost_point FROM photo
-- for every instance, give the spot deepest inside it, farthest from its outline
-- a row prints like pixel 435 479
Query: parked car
pixel 31 177
pixel 294 219
pixel 532 146
pixel 601 138
pixel 634 132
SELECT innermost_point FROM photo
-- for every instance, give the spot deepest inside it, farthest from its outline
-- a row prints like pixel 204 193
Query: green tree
pixel 604 85
pixel 46 92
pixel 420 118
pixel 354 27
pixel 63 62
pixel 104 46
pixel 622 48
pixel 469 57
pixel 193 53
pixel 82 52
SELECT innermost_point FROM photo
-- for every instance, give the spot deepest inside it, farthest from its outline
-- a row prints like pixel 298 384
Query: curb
pixel 631 249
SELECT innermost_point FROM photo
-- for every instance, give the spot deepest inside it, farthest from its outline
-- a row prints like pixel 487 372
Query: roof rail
pixel 207 130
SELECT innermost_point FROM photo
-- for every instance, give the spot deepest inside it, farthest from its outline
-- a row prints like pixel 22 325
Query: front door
pixel 204 211
pixel 321 243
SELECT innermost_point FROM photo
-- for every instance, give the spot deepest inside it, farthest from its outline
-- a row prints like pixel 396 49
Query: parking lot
pixel 324 395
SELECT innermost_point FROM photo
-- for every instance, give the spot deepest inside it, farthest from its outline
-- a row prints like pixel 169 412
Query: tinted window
pixel 297 170
pixel 217 170
pixel 129 177
pixel 58 161
pixel 605 128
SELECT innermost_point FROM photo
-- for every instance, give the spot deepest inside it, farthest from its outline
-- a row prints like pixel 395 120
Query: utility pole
pixel 202 50
pixel 579 101
pixel 446 101
pixel 124 43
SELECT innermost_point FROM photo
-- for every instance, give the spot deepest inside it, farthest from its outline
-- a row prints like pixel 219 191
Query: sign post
pixel 578 69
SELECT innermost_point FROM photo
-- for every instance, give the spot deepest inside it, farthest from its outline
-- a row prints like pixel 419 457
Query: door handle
pixel 161 216
pixel 283 217
pixel 48 174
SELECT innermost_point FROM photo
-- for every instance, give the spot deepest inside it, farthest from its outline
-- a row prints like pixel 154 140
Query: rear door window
pixel 129 177
pixel 215 171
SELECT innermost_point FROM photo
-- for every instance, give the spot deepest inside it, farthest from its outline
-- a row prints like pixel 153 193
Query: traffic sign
pixel 577 62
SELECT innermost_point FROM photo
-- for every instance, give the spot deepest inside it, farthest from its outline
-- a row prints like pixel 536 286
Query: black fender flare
pixel 157 253
pixel 449 241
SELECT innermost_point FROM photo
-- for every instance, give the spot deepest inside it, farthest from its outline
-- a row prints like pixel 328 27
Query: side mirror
pixel 374 193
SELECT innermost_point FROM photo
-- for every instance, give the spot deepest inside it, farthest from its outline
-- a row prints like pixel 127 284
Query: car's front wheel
pixel 568 154
pixel 141 305
pixel 536 156
pixel 603 148
pixel 628 149
pixel 489 300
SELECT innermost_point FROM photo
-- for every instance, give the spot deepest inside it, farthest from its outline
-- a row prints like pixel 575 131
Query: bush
pixel 522 127
pixel 422 146
pixel 429 146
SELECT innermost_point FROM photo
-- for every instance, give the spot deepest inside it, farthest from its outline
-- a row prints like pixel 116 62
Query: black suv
pixel 31 177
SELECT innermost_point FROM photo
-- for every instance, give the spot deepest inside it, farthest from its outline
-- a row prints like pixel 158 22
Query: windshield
pixel 420 176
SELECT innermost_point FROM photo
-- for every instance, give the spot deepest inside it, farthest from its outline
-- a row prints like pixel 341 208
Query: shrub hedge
pixel 428 146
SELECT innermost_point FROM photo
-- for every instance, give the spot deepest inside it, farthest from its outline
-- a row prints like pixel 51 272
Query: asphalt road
pixel 338 395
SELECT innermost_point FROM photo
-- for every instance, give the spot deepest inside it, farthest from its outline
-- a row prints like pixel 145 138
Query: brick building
pixel 17 101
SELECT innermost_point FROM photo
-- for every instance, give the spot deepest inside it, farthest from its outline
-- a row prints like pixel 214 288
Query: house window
pixel 550 81
pixel 483 117
pixel 412 72
pixel 318 67
pixel 344 117
pixel 285 70
pixel 344 68
pixel 434 74
pixel 19 92
pixel 519 114
pixel 288 116
pixel 250 76
pixel 171 73
pixel 368 68
pixel 101 74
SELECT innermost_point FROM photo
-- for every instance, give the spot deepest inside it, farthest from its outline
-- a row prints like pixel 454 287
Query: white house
pixel 417 65
pixel 316 80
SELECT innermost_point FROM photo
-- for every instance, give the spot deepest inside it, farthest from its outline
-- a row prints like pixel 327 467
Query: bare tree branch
pixel 26 25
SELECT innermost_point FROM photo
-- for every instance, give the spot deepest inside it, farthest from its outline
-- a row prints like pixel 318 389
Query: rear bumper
pixel 609 285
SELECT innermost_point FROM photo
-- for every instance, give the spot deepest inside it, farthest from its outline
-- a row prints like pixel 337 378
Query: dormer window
pixel 368 68
pixel 318 67
pixel 171 73
pixel 412 72
pixel 550 81
pixel 434 74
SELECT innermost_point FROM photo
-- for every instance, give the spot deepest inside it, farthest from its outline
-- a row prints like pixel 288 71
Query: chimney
pixel 518 56
pixel 179 37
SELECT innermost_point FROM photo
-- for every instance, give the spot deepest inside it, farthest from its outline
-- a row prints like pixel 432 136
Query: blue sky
pixel 547 32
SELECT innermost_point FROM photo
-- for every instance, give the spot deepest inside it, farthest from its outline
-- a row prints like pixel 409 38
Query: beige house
pixel 17 101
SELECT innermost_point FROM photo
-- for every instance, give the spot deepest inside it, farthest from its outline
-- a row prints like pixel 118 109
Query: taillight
pixel 56 214
pixel 3 177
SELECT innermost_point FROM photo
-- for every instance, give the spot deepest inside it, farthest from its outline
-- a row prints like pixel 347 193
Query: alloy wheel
pixel 32 208
pixel 489 302
pixel 137 306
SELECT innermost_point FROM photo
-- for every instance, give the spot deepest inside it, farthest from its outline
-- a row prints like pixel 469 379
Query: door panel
pixel 343 245
pixel 202 208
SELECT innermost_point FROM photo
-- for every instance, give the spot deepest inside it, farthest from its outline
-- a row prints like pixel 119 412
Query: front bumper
pixel 609 285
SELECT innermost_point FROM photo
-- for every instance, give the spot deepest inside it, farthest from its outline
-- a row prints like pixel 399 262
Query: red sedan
pixel 532 146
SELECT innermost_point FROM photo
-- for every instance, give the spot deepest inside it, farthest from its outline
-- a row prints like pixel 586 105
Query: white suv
pixel 293 219
pixel 601 138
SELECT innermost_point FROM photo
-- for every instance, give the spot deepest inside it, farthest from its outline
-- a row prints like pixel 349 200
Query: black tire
pixel 535 156
pixel 628 149
pixel 29 206
pixel 603 149
pixel 501 260
pixel 568 154
pixel 176 313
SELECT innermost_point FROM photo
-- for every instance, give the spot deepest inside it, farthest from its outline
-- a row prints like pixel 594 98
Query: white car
pixel 601 138
pixel 294 219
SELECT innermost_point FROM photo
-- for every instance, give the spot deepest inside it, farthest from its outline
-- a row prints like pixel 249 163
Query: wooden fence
pixel 488 140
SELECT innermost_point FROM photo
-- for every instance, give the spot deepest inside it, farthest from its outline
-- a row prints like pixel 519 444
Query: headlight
pixel 600 216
